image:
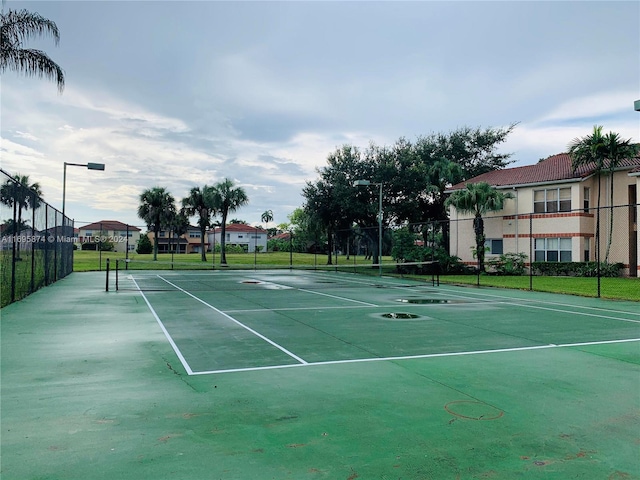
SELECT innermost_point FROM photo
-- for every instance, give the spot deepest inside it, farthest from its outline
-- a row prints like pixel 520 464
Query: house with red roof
pixel 246 236
pixel 121 235
pixel 169 241
pixel 552 215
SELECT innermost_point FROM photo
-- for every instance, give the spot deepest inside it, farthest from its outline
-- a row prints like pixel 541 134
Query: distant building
pixel 245 236
pixel 553 213
pixel 121 235
pixel 170 242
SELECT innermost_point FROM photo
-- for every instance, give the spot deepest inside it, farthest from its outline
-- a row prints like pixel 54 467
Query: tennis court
pixel 316 374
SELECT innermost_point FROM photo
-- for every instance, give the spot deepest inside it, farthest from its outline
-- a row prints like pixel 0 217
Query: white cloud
pixel 268 92
pixel 25 135
pixel 591 106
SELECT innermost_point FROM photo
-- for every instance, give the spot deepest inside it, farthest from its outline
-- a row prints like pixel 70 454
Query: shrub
pixel 232 248
pixel 576 269
pixel 508 264
pixel 144 245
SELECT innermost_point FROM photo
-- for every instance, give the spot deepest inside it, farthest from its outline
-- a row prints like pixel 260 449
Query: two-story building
pixel 169 242
pixel 120 235
pixel 248 237
pixel 553 214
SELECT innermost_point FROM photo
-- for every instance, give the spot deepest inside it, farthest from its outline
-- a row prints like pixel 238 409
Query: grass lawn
pixel 612 288
pixel 86 261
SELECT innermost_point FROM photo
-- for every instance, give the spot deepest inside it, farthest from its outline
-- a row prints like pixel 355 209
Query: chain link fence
pixel 36 241
pixel 587 247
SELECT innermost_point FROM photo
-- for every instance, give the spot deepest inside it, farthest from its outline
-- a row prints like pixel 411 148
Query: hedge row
pixel 577 269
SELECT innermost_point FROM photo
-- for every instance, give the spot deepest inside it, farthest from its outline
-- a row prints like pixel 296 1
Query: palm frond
pixel 33 63
pixel 18 26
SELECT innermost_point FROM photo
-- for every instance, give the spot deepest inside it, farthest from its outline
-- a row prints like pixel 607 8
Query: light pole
pixel 90 166
pixel 366 183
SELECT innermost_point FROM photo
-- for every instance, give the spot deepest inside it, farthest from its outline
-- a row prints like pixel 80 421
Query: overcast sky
pixel 182 94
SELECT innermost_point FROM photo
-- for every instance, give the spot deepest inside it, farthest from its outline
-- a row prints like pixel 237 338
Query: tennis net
pixel 167 276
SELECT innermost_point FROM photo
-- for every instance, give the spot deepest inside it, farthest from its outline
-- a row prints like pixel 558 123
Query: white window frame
pixel 549 203
pixel 554 249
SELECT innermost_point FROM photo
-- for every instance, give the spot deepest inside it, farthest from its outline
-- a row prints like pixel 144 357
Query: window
pixel 88 233
pixel 194 234
pixel 587 250
pixel 494 245
pixel 239 236
pixel 585 200
pixel 552 200
pixel 161 234
pixel 553 250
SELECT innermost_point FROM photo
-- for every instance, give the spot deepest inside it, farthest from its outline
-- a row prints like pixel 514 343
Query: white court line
pixel 386 305
pixel 339 298
pixel 527 304
pixel 166 333
pixel 279 347
pixel 412 357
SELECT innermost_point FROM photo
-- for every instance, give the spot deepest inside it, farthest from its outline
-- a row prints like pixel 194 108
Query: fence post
pixel 598 248
pixel 100 248
pixel 13 253
pixel 33 245
pixel 107 281
pixel 55 246
pixel 290 250
pixel 531 252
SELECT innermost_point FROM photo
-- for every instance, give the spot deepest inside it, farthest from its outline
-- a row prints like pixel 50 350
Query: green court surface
pixel 315 375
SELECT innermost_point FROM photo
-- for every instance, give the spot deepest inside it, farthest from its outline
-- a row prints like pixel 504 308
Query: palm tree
pixel 157 208
pixel 227 199
pixel 478 198
pixel 588 152
pixel 199 202
pixel 178 225
pixel 20 195
pixel 267 217
pixel 16 26
pixel 600 152
pixel 615 150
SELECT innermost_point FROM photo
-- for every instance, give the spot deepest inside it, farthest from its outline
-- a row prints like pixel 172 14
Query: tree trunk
pixel 478 228
pixel 155 244
pixel 606 256
pixel 223 242
pixel 202 249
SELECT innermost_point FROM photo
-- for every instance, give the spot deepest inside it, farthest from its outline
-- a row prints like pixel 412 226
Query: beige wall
pixel 513 223
pixel 117 237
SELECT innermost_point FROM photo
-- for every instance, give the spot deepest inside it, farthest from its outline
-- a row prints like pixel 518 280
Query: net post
pixel 117 269
pixel 107 280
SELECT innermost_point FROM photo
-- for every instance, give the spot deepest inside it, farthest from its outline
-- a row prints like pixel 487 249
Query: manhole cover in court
pixel 400 316
pixel 424 301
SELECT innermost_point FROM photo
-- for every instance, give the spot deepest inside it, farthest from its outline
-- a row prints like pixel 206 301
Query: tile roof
pixel 109 225
pixel 552 169
pixel 238 227
pixel 282 236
